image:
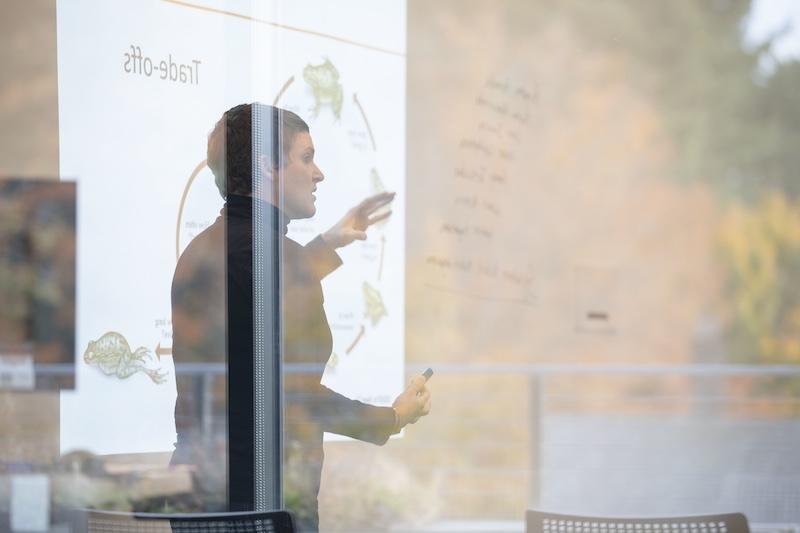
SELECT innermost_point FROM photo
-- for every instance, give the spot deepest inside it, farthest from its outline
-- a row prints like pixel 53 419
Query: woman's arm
pixel 332 412
pixel 321 257
pixel 336 413
pixel 321 252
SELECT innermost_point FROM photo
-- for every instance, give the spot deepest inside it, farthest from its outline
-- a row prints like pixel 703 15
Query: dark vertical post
pixel 267 352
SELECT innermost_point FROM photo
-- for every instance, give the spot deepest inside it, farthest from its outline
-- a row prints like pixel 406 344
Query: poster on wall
pixel 140 88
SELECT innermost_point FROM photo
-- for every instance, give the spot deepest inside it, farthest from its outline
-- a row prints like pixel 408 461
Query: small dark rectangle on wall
pixel 596 299
pixel 37 318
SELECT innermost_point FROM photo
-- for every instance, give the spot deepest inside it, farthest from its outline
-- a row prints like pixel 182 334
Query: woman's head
pixel 285 156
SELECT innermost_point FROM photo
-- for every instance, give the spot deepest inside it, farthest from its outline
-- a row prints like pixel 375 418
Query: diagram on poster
pixel 354 296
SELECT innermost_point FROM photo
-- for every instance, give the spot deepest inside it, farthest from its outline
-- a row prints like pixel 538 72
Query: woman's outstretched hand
pixel 353 226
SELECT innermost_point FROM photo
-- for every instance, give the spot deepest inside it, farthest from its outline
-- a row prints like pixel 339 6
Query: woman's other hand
pixel 413 403
pixel 353 226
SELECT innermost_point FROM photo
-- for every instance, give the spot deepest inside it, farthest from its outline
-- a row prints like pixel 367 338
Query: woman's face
pixel 299 178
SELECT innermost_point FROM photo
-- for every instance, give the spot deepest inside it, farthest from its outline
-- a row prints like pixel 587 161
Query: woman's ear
pixel 265 166
pixel 271 178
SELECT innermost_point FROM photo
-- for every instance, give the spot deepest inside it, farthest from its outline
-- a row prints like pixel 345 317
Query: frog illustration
pixel 112 355
pixel 324 82
pixel 332 363
pixel 373 303
pixel 379 187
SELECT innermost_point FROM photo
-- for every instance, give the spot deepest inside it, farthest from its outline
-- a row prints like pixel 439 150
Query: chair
pixel 540 522
pixel 92 521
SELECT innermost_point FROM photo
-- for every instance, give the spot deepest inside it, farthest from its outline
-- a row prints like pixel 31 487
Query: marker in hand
pixel 427 375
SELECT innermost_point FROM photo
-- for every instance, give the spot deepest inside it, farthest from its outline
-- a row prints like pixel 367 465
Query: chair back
pixel 541 522
pixel 92 521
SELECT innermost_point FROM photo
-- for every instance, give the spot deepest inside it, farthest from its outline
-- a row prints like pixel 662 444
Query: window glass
pixel 399 265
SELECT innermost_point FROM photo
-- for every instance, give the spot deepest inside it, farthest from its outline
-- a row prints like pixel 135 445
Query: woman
pixel 219 264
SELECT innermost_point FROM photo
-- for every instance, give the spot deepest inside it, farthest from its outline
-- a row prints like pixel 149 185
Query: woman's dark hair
pixel 230 144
